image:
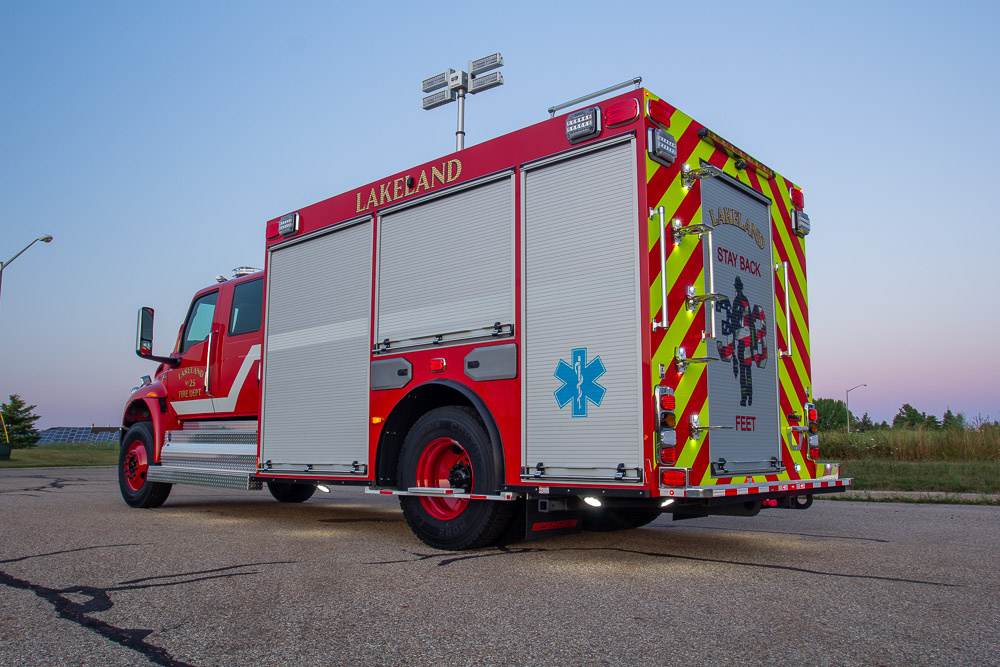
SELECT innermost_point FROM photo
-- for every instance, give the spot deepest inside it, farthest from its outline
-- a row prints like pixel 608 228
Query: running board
pixel 442 492
pixel 227 479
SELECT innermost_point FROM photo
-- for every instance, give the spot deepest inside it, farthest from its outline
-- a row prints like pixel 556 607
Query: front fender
pixel 148 403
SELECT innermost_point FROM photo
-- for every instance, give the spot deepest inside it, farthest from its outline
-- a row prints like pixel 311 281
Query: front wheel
pixel 134 459
pixel 449 448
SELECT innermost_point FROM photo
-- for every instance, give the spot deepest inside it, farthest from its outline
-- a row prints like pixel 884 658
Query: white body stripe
pixel 220 403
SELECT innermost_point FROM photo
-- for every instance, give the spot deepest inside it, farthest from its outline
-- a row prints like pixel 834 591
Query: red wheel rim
pixel 136 465
pixel 439 461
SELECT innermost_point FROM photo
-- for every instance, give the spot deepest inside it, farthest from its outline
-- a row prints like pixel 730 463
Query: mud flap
pixel 549 518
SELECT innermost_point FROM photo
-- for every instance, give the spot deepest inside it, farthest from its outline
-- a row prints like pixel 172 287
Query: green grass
pixel 59 455
pixel 903 444
pixel 938 476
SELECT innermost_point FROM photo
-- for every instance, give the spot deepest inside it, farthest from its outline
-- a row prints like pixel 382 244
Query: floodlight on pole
pixel 848 403
pixel 451 86
pixel 47 238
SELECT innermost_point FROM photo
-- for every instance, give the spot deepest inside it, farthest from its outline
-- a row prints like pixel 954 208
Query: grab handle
pixel 783 267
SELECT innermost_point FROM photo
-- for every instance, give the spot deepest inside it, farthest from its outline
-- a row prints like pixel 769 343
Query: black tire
pixel 445 523
pixel 290 492
pixel 606 520
pixel 134 458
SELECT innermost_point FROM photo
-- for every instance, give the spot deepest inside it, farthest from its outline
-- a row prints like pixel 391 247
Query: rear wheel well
pixel 412 407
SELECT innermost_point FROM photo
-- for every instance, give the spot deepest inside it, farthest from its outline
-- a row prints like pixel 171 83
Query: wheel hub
pixel 460 477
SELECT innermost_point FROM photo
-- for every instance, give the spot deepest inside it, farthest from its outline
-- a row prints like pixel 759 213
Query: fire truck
pixel 580 325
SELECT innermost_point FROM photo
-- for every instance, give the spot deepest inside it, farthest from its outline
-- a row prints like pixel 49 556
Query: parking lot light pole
pixel 3 265
pixel 848 402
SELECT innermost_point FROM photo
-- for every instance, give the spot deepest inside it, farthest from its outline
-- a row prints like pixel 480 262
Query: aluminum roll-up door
pixel 316 352
pixel 446 266
pixel 581 325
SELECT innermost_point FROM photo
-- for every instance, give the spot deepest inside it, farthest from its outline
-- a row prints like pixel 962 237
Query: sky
pixel 153 140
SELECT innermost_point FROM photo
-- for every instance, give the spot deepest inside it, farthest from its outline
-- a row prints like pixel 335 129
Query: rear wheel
pixel 449 448
pixel 134 459
pixel 289 492
pixel 607 520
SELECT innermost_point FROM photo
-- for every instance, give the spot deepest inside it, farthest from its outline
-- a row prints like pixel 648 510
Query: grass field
pixel 962 461
pixel 58 455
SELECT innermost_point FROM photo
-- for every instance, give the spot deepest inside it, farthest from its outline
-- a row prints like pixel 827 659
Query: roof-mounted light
pixel 490 62
pixel 437 81
pixel 661 145
pixel 439 99
pixel 288 225
pixel 583 125
pixel 485 82
pixel 798 198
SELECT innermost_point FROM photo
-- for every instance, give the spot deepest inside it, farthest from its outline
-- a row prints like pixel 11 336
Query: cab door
pixel 187 384
pixel 236 382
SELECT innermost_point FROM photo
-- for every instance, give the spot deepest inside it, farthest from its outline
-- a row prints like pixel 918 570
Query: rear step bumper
pixel 831 485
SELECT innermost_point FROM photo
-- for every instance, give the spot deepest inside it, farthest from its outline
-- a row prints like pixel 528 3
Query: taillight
pixel 666 422
pixel 814 453
pixel 673 478
pixel 622 112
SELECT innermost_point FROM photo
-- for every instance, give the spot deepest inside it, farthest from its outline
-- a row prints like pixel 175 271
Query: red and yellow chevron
pixel 685 266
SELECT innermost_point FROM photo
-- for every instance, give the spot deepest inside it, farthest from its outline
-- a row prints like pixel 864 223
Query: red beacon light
pixel 622 112
pixel 660 113
pixel 798 198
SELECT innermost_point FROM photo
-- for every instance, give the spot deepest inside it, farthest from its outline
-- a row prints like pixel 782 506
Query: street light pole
pixel 848 402
pixel 3 265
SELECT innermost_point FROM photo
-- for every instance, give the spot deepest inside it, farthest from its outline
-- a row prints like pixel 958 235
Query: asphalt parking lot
pixel 219 577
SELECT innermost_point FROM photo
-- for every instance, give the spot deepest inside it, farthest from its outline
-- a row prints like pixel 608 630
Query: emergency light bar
pixel 439 99
pixel 481 83
pixel 437 81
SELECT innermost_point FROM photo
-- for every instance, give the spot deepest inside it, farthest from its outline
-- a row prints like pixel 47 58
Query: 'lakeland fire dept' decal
pixel 745 332
pixel 579 382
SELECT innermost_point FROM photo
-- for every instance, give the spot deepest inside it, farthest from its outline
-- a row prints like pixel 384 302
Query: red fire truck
pixel 580 325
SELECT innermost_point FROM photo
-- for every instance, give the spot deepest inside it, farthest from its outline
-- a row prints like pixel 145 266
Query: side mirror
pixel 144 339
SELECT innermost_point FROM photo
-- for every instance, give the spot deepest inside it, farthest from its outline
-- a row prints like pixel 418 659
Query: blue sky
pixel 153 140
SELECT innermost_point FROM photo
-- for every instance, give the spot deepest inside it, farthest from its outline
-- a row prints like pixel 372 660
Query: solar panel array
pixel 75 434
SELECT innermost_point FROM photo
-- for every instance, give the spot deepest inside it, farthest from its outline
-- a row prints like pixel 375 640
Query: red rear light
pixel 660 112
pixel 272 230
pixel 798 199
pixel 667 402
pixel 812 415
pixel 668 456
pixel 814 453
pixel 673 478
pixel 622 112
pixel 437 365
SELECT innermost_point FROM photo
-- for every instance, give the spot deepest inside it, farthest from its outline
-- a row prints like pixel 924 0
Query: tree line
pixel 832 416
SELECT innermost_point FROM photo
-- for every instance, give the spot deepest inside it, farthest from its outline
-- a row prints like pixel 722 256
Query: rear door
pixel 743 384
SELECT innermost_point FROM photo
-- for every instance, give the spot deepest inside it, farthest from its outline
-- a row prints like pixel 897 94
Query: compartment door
pixel 581 361
pixel 316 353
pixel 743 384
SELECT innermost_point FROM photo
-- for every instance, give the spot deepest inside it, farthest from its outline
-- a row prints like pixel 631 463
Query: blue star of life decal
pixel 579 382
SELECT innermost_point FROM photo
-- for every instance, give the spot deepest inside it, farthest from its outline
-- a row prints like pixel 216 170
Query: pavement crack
pixel 450 559
pixel 77 603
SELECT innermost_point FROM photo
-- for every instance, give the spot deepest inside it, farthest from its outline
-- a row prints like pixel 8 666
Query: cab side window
pixel 199 321
pixel 248 301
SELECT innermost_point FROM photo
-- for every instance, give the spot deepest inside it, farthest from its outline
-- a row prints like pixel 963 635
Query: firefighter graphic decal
pixel 744 330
